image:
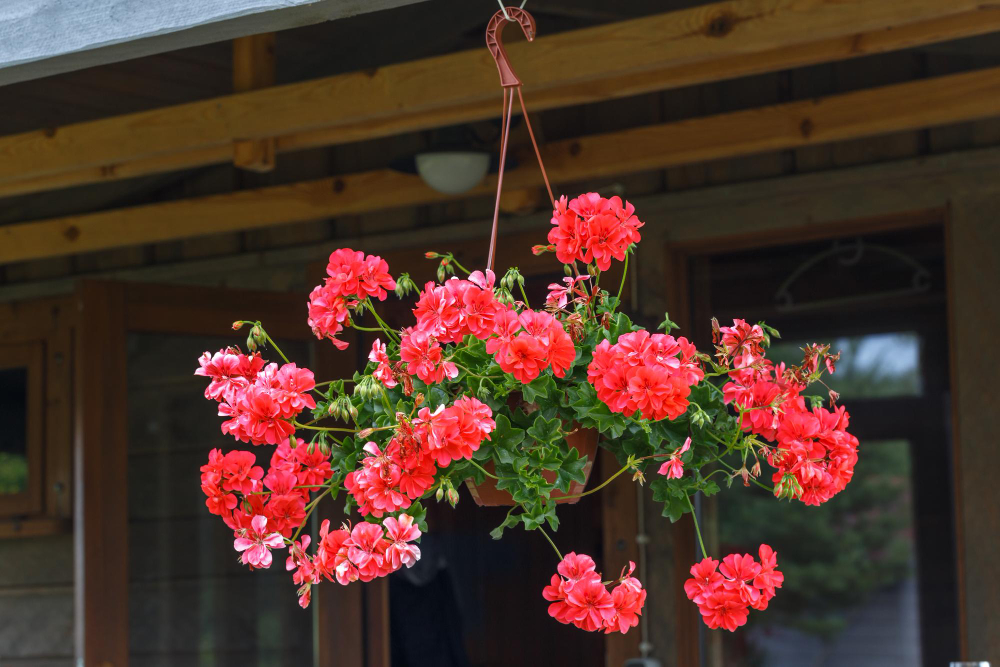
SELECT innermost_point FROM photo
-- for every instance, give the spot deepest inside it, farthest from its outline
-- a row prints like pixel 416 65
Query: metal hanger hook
pixel 494 42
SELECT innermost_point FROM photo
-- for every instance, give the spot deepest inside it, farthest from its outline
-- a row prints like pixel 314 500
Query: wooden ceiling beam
pixel 254 68
pixel 907 106
pixel 690 46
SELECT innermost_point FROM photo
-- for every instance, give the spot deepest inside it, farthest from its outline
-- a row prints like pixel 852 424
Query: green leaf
pixel 541 387
pixel 545 431
pixel 570 470
pixel 505 436
pixel 667 324
pixel 509 521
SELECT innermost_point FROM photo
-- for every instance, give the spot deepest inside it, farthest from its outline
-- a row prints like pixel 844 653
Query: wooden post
pixel 620 521
pixel 101 496
pixel 253 68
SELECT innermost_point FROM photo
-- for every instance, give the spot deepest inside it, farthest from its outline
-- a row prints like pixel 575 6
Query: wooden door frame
pixel 108 312
pixel 678 296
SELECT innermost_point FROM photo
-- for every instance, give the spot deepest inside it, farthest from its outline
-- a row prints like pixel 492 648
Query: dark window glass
pixel 14 434
pixel 190 601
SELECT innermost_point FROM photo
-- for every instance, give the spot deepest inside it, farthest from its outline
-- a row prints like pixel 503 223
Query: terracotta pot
pixel 584 440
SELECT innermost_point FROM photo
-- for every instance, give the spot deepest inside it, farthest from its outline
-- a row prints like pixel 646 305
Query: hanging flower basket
pixel 444 400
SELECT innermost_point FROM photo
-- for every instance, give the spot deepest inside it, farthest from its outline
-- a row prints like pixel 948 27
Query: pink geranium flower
pixel 256 543
pixel 673 467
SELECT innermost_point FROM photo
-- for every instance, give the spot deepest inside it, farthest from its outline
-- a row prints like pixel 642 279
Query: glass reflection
pixel 850 593
pixel 871 366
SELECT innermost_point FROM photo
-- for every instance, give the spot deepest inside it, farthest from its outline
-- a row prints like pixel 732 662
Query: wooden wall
pixel 36 601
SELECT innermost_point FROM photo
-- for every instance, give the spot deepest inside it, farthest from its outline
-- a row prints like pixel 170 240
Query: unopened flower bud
pixel 567 269
pixel 418 400
pixel 440 273
pixel 237 325
pixel 452 496
pixel 365 432
pixel 439 494
pixel 430 255
pixel 324 448
pixel 353 411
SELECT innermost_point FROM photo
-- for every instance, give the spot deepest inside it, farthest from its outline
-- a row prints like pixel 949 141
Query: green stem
pixel 599 487
pixel 309 511
pixel 385 327
pixel 483 470
pixel 621 287
pixel 274 345
pixel 521 287
pixel 454 261
pixel 361 328
pixel 554 547
pixel 697 530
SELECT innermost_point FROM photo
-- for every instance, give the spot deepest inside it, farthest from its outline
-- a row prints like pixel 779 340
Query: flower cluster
pixel 815 455
pixel 648 374
pixel 347 554
pixel 233 482
pixel 591 228
pixel 414 423
pixel 390 480
pixel 522 343
pixel 724 597
pixel 353 278
pixel 259 399
pixel 580 598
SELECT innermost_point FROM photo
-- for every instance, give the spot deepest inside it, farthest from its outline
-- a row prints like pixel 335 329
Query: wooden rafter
pixel 254 68
pixel 695 45
pixel 907 106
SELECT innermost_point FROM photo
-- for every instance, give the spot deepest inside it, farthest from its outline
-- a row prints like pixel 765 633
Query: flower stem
pixel 521 287
pixel 277 349
pixel 554 547
pixel 697 530
pixel 482 470
pixel 309 511
pixel 598 487
pixel 454 261
pixel 621 287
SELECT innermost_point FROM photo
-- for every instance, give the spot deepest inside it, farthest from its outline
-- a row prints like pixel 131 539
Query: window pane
pixel 190 602
pixel 871 366
pixel 14 434
pixel 850 592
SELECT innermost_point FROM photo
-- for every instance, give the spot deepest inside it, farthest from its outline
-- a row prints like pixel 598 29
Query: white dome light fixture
pixel 453 172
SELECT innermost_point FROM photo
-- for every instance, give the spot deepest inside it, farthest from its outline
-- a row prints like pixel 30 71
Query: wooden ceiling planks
pixel 685 47
pixel 907 106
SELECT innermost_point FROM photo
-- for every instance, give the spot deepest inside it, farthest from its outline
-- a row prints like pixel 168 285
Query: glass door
pixel 871 575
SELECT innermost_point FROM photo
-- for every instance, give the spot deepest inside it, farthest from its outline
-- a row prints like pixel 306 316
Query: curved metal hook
pixel 508 79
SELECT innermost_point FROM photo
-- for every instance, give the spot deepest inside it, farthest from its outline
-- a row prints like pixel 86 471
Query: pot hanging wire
pixel 509 82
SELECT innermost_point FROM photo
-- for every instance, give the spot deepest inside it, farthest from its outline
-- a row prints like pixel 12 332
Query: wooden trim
pixel 956 439
pixel 620 525
pixel 34 527
pixel 377 635
pixel 59 417
pixel 31 357
pixel 904 106
pixel 804 233
pixel 686 47
pixel 100 478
